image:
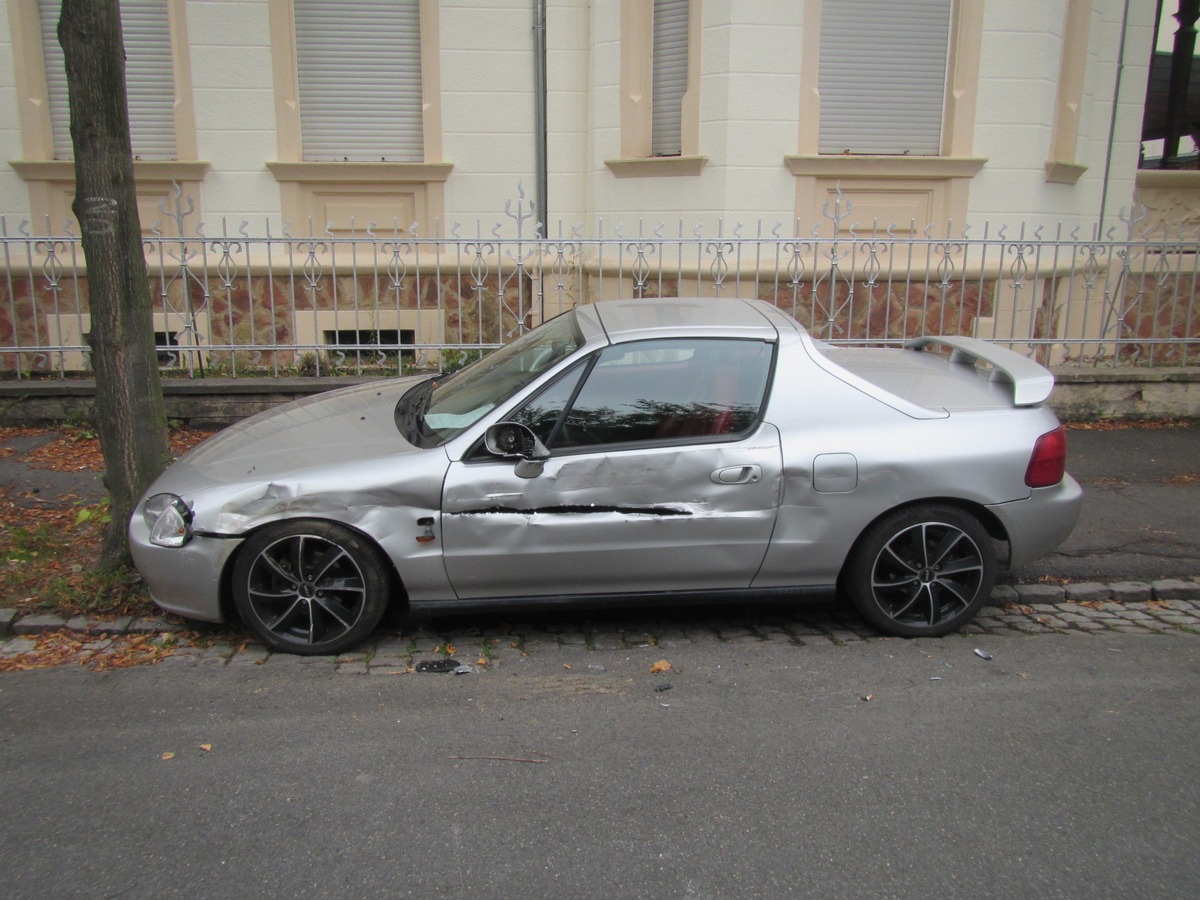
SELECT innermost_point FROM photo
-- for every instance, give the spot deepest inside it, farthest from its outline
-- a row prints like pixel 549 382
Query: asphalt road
pixel 1064 766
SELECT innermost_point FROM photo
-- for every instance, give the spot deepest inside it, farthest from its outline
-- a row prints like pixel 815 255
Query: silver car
pixel 644 452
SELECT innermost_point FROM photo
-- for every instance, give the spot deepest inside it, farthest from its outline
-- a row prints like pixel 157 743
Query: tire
pixel 921 571
pixel 310 587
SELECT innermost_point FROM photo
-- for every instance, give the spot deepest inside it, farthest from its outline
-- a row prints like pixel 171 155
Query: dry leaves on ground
pixel 99 654
pixel 77 451
pixel 49 548
pixel 1128 424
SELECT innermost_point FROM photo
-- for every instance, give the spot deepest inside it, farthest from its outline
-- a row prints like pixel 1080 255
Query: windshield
pixel 435 411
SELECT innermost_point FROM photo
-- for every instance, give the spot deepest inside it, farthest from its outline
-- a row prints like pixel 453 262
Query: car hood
pixel 338 427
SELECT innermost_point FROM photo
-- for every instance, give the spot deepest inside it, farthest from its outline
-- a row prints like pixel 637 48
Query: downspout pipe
pixel 1112 123
pixel 539 113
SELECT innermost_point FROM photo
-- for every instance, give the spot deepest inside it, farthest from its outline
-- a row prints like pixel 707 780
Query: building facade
pixel 924 112
pixel 658 146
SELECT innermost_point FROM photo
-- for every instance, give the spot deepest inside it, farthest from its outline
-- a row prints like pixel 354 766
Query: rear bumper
pixel 1038 524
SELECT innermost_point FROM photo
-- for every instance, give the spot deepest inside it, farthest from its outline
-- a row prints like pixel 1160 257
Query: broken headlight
pixel 169 520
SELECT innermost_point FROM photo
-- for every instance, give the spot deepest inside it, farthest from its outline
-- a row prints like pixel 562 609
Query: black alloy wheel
pixel 311 587
pixel 922 571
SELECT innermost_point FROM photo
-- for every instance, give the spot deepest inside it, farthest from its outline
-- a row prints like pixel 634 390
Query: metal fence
pixel 385 301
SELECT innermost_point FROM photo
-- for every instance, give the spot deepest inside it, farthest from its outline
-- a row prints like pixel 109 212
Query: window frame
pixel 936 185
pixel 51 181
pixel 636 97
pixel 332 196
pixel 900 191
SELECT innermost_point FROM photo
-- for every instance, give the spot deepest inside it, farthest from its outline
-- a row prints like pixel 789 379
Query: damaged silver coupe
pixel 651 451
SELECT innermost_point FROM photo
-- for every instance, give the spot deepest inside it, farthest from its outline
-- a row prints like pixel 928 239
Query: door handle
pixel 737 475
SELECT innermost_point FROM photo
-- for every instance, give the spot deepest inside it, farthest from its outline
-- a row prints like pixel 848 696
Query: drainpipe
pixel 539 111
pixel 1112 122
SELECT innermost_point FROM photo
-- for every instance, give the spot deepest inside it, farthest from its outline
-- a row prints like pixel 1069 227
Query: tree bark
pixel 130 413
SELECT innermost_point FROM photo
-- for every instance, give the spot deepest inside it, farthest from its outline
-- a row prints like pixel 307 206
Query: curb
pixel 1036 596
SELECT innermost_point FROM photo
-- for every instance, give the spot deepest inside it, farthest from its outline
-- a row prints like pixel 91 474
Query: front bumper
pixel 182 580
pixel 1038 524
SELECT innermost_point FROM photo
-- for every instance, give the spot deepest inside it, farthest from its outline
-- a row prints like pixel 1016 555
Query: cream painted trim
pixel 359 172
pixel 144 170
pixel 1168 178
pixel 810 80
pixel 656 166
pixel 637 42
pixel 908 192
pixel 1059 172
pixel 52 190
pixel 306 187
pixel 431 80
pixel 29 69
pixel 186 146
pixel 282 20
pixel 914 167
pixel 324 196
pixel 1064 136
pixel 962 78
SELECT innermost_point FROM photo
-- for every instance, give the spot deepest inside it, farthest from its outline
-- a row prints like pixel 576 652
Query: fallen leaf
pixel 1018 609
pixel 660 668
pixel 206 747
pixel 168 755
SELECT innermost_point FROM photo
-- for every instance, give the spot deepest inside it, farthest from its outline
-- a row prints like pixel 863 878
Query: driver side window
pixel 542 413
pixel 666 390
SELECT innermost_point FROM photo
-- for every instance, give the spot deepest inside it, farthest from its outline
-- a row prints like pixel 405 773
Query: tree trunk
pixel 130 414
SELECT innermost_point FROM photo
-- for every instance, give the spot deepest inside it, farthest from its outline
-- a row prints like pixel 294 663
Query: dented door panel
pixel 645 519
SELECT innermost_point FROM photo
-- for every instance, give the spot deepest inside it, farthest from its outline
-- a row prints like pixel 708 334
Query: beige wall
pixel 1027 134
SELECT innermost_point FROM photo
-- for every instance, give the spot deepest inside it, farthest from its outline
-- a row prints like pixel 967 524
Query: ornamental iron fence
pixel 391 301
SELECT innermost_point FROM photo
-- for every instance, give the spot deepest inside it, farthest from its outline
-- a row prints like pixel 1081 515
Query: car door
pixel 661 477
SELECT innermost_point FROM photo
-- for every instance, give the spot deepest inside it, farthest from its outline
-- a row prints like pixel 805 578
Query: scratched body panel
pixel 643 519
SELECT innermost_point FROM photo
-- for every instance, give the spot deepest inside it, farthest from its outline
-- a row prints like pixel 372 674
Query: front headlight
pixel 169 520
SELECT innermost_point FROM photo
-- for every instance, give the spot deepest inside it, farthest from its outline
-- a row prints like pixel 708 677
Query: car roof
pixel 667 317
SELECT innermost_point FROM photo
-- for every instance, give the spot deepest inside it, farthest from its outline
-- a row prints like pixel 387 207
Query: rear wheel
pixel 310 587
pixel 921 571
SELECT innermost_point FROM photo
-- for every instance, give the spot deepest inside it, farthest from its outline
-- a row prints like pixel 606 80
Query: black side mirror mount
pixel 512 440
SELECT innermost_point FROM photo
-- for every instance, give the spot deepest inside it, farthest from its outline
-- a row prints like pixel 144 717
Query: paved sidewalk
pixel 1171 606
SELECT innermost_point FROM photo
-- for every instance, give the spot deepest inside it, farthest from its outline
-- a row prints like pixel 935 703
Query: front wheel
pixel 922 571
pixel 310 587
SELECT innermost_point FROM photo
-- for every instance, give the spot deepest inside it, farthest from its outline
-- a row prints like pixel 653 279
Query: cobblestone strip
pixel 1169 606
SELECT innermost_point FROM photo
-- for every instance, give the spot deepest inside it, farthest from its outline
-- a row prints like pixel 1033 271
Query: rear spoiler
pixel 1031 381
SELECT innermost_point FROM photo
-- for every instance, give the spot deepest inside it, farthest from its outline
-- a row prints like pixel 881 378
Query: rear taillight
pixel 1048 463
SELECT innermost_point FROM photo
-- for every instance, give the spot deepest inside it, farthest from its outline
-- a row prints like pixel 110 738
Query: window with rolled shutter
pixel 883 76
pixel 358 66
pixel 669 71
pixel 149 78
